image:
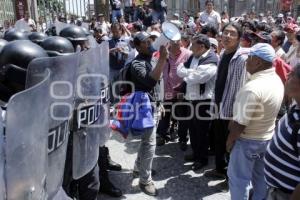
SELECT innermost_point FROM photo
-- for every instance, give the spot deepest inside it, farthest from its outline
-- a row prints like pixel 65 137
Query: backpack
pixel 121 82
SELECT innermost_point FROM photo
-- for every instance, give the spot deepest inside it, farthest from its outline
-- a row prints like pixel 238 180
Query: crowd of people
pixel 230 86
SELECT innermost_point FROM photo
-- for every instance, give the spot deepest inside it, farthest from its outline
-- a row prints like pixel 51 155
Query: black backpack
pixel 121 82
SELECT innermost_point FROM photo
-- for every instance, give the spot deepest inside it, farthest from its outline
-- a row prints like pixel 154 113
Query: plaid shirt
pixel 236 78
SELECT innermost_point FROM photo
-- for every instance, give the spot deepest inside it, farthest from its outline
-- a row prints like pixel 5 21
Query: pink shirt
pixel 170 77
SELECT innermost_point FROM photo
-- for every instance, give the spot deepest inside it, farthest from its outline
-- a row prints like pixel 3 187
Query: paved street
pixel 174 180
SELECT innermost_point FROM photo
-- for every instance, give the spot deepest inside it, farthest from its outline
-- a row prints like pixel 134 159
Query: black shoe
pixel 136 174
pixel 183 146
pixel 109 189
pixel 189 158
pixel 198 165
pixel 215 174
pixel 160 141
pixel 113 165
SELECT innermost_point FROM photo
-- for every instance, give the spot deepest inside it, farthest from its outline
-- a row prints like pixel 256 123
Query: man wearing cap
pixel 102 24
pixel 254 113
pixel 144 79
pixel 211 16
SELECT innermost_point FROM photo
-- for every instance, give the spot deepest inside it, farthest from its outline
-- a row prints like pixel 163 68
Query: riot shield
pixel 62 81
pixel 27 122
pixel 2 183
pixel 91 109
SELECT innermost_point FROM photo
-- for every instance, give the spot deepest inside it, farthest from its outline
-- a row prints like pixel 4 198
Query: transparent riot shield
pixel 26 127
pixel 62 81
pixel 92 41
pixel 91 109
pixel 2 161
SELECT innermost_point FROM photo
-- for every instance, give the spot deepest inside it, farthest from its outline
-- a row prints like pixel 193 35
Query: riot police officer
pixel 37 37
pixel 14 59
pixel 87 186
pixel 14 35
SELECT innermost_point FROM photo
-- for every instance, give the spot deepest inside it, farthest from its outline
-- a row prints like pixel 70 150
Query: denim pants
pixel 116 14
pixel 246 167
pixel 159 16
pixel 143 163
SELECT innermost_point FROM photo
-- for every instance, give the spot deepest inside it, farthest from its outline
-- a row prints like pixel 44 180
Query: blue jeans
pixel 159 16
pixel 246 167
pixel 116 14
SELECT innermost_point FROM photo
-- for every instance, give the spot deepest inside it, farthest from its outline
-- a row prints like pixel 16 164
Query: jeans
pixel 159 16
pixel 143 163
pixel 246 167
pixel 116 14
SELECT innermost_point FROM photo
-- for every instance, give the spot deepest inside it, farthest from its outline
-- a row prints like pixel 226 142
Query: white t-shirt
pixel 257 105
pixel 23 25
pixel 212 18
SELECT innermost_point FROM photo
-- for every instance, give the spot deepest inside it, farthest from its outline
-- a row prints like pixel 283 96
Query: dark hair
pixel 202 39
pixel 209 1
pixel 116 25
pixel 211 29
pixel 280 36
pixel 236 26
pixel 250 25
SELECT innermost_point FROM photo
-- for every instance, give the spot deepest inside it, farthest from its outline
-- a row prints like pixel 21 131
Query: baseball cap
pixel 291 27
pixel 262 35
pixel 176 15
pixel 155 33
pixel 214 42
pixel 280 15
pixel 263 51
pixel 141 36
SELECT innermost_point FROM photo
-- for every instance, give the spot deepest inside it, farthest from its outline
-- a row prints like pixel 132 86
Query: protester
pixel 231 76
pixel 254 113
pixel 210 16
pixel 282 156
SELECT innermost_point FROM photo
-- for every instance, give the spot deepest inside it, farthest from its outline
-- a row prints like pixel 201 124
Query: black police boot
pixel 106 186
pixel 112 165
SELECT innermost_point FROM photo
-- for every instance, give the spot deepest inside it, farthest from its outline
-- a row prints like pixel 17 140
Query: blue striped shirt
pixel 282 160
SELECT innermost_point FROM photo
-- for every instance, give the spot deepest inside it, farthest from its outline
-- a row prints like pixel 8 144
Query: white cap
pixel 214 41
pixel 155 33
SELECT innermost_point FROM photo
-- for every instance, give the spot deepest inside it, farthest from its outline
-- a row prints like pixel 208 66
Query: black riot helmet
pixel 14 59
pixel 2 44
pixel 86 31
pixel 57 46
pixel 14 35
pixel 75 34
pixel 37 37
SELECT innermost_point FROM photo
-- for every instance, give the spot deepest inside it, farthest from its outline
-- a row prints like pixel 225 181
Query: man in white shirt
pixel 102 24
pixel 199 74
pixel 26 23
pixel 277 41
pixel 210 16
